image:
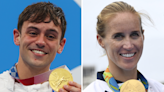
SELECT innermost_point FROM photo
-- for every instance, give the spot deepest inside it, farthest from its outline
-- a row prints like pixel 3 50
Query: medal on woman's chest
pixel 132 86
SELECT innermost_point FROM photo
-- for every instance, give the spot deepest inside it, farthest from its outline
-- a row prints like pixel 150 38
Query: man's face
pixel 39 43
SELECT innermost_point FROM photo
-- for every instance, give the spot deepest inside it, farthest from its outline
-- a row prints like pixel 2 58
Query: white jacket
pixel 102 86
pixel 8 84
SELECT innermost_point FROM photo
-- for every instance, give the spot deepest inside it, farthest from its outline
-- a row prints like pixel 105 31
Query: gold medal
pixel 132 86
pixel 59 77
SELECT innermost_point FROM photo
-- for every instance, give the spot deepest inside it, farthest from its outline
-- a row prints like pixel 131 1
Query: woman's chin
pixel 129 67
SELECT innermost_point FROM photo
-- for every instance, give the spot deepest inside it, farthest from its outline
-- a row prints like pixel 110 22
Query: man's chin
pixel 37 64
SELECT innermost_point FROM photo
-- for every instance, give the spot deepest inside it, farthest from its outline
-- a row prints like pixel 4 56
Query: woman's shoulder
pixel 155 86
pixel 97 86
pixel 154 82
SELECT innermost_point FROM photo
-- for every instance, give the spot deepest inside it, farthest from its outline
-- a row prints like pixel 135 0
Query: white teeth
pixel 127 55
pixel 39 52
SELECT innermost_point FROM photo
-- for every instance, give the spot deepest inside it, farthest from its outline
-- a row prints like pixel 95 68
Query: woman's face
pixel 123 41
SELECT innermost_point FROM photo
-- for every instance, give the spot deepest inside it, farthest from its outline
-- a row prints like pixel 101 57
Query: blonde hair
pixel 110 11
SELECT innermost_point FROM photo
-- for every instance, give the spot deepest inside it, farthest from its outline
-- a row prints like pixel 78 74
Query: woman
pixel 120 33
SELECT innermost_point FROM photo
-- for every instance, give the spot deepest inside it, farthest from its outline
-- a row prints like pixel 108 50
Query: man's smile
pixel 38 52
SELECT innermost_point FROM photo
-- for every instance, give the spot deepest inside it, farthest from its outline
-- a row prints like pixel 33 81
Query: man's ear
pixel 100 41
pixel 16 37
pixel 61 47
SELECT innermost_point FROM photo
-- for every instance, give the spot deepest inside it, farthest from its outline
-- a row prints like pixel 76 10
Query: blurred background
pixel 151 64
pixel 71 55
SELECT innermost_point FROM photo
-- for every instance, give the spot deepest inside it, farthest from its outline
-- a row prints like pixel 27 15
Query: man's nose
pixel 40 41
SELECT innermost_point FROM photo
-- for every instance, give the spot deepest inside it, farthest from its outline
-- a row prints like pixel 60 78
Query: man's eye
pixel 51 37
pixel 33 33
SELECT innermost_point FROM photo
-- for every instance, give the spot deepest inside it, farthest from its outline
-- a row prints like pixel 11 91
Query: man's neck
pixel 25 71
pixel 120 74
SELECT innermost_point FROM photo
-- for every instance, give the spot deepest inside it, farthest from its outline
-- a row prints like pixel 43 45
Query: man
pixel 40 35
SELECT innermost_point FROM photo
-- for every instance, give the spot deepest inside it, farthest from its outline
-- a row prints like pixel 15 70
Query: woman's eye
pixel 135 35
pixel 118 37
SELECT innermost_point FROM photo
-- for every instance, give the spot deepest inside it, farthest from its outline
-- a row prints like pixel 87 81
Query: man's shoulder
pixel 98 86
pixel 4 74
pixel 6 82
pixel 155 85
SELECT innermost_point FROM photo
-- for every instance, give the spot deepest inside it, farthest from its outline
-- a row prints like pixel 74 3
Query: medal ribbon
pixel 108 77
pixel 33 80
pixel 30 81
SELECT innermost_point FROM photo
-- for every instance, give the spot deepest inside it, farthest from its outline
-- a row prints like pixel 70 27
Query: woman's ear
pixel 143 34
pixel 100 41
pixel 16 37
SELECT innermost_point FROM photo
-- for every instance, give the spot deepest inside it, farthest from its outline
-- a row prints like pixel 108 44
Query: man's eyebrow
pixel 53 30
pixel 32 27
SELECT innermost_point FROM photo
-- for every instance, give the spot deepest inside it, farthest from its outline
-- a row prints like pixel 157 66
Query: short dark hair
pixel 38 12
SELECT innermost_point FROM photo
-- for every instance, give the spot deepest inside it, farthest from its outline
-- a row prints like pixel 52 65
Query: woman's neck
pixel 120 74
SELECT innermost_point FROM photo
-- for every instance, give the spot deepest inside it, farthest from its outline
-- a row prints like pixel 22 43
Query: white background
pixel 151 64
